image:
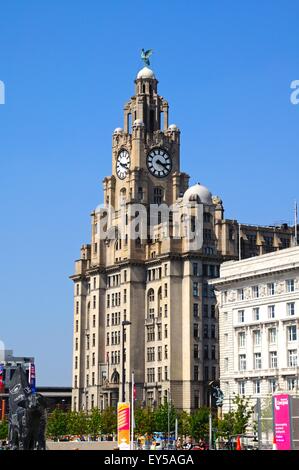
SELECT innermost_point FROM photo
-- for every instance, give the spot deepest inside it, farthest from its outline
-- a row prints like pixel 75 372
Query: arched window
pixel 123 196
pixel 151 295
pixel 158 195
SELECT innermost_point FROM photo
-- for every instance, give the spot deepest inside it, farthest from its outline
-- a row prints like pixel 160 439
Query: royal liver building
pixel 142 301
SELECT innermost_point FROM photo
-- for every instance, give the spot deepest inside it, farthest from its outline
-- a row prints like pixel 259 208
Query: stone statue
pixel 27 415
pixel 218 395
pixel 145 55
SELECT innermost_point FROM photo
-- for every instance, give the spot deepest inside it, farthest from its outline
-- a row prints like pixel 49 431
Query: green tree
pixel 109 421
pixel 144 421
pixel 184 420
pixel 161 417
pixel 94 424
pixel 77 423
pixel 3 429
pixel 199 423
pixel 57 424
pixel 236 421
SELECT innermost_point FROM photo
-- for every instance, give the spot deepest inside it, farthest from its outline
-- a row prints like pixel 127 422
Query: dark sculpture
pixel 27 415
pixel 218 395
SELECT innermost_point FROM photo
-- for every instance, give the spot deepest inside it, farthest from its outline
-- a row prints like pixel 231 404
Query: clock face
pixel 123 164
pixel 159 163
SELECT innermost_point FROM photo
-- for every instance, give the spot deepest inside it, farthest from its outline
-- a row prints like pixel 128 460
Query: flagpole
pixel 240 253
pixel 132 411
pixel 296 224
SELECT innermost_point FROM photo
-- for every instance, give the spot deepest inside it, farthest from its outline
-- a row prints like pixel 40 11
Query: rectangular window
pixel 240 294
pixel 195 289
pixel 195 351
pixel 159 374
pixel 195 269
pixel 165 290
pixel 213 311
pixel 257 338
pixel 206 331
pixel 292 333
pixel 77 326
pixel 255 292
pixel 256 314
pixel 272 335
pixel 213 351
pixel 224 297
pixel 125 296
pixel 257 361
pixel 290 285
pixel 77 307
pixel 165 331
pixel 273 359
pixel 77 289
pixel 271 311
pixel 93 340
pixel 292 384
pixel 108 319
pixel 125 275
pixel 257 387
pixel 165 310
pixel 206 373
pixel 271 288
pixel 165 351
pixel 151 375
pixel 108 300
pixel 159 332
pixel 242 362
pixel 213 331
pixel 291 309
pixel 272 385
pixel 241 338
pixel 206 311
pixel 206 351
pixel 93 321
pixel 242 388
pixel 292 358
pixel 195 310
pixel 165 373
pixel 159 353
pixel 226 364
pixel 196 373
pixel 195 330
pixel 241 316
pixel 94 301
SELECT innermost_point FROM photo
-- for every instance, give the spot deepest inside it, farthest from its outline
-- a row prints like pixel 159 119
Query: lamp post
pixel 123 380
pixel 210 416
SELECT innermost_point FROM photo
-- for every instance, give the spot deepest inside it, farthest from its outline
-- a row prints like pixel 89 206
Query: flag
pixel 32 381
pixel 238 443
pixel 1 378
pixel 134 392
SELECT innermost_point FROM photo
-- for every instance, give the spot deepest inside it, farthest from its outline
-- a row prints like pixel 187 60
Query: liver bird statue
pixel 145 55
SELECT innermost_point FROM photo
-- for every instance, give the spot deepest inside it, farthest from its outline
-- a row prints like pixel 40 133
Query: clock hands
pixel 123 165
pixel 162 164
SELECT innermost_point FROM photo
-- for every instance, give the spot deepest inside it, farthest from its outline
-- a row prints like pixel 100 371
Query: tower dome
pixel 146 73
pixel 198 193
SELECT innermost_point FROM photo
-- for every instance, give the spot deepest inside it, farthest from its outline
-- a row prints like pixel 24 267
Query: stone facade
pixel 156 282
pixel 258 302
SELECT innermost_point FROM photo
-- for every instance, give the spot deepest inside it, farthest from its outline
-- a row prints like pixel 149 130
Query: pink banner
pixel 282 421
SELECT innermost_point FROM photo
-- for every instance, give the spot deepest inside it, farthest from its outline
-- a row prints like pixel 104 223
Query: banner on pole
pixel 1 378
pixel 123 426
pixel 282 421
pixel 32 380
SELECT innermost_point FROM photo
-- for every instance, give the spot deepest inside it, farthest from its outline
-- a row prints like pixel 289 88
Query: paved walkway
pixel 82 445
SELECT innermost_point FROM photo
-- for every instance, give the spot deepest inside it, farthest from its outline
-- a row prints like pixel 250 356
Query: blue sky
pixel 68 67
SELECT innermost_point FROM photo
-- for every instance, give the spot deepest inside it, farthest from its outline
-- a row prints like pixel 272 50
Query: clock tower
pixel 146 152
pixel 138 299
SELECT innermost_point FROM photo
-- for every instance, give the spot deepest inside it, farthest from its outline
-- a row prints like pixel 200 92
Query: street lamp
pixel 123 393
pixel 210 416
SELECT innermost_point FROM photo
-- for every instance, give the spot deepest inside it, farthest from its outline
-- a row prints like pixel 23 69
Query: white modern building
pixel 258 302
